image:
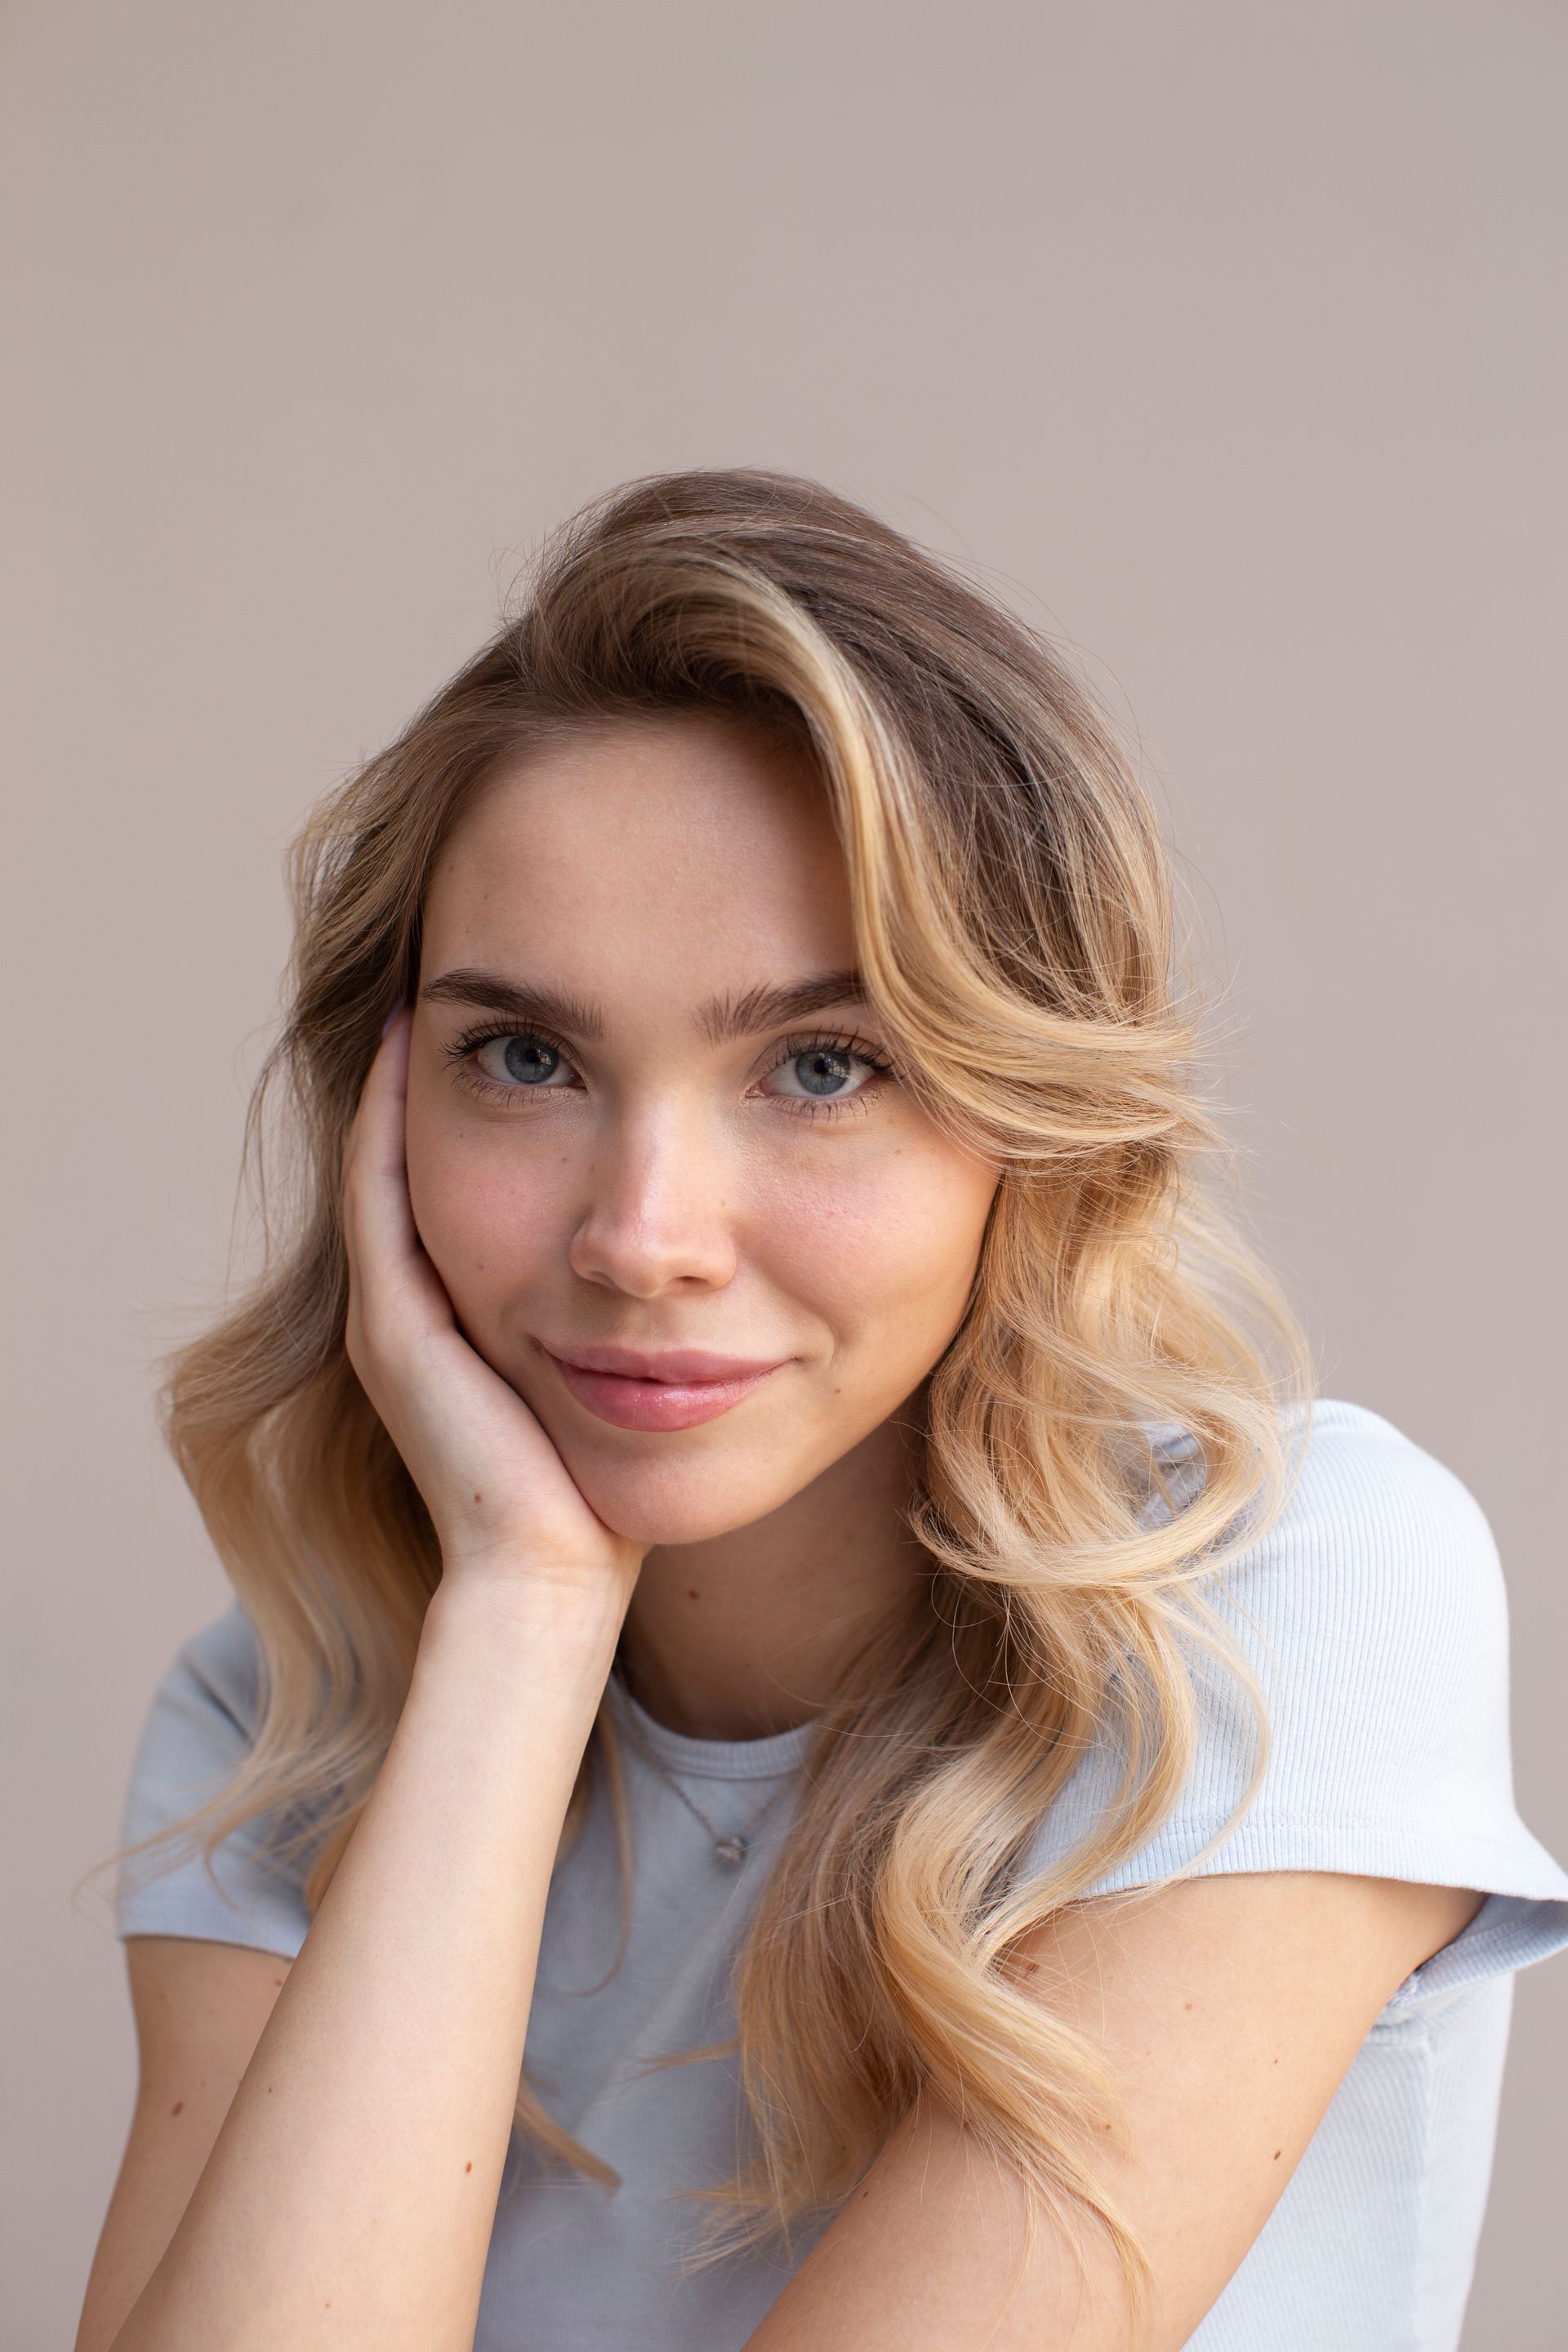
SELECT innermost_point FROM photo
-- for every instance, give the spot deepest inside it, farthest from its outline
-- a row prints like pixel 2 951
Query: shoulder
pixel 205 1708
pixel 197 1733
pixel 1364 1487
pixel 1373 1615
pixel 1382 1561
pixel 215 1676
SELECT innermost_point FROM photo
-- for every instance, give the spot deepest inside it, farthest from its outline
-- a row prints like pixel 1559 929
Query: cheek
pixel 487 1221
pixel 884 1250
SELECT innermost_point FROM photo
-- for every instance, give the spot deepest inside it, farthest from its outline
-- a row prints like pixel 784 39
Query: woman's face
pixel 620 1138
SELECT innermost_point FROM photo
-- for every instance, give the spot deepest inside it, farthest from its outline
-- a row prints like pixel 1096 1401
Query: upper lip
pixel 668 1364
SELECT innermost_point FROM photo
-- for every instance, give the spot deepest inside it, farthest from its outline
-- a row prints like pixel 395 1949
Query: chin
pixel 675 1504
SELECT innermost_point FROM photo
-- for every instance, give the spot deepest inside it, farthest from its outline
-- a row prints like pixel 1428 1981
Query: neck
pixel 747 1633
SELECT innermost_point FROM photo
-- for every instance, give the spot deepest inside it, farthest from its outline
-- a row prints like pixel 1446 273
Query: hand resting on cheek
pixel 504 1505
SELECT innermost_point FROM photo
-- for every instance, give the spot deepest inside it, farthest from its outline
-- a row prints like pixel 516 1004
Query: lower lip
pixel 656 1404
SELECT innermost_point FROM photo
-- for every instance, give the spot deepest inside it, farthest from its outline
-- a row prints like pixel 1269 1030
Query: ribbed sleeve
pixel 197 1731
pixel 1376 1616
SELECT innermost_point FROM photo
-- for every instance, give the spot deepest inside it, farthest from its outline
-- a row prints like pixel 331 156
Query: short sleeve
pixel 1374 1614
pixel 197 1731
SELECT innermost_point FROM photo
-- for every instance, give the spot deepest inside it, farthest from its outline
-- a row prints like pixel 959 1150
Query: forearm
pixel 350 2196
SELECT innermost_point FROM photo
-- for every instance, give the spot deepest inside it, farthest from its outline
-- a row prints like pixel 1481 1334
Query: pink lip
pixel 675 1390
pixel 685 1364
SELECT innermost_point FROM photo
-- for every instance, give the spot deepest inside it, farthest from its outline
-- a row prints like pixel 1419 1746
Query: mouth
pixel 675 1390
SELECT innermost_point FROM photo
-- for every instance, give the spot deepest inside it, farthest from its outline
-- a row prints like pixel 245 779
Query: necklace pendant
pixel 731 1850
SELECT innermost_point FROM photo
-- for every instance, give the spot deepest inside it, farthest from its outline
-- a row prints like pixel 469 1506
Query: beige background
pixel 1221 334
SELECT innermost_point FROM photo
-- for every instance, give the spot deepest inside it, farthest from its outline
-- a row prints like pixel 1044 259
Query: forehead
pixel 690 835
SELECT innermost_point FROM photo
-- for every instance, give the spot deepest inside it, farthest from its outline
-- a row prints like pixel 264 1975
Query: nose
pixel 655 1217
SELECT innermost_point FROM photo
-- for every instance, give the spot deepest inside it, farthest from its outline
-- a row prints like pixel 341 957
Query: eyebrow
pixel 721 1019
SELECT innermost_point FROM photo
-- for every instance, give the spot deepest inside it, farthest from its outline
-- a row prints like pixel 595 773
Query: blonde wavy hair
pixel 1014 912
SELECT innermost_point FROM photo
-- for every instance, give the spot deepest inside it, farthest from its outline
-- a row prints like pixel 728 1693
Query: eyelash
pixel 462 1048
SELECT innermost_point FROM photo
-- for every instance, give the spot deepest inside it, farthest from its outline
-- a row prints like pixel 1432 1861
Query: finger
pixel 375 1151
pixel 376 1145
pixel 382 1240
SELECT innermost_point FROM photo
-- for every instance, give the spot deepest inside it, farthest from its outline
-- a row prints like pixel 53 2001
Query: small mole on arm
pixel 469 2166
pixel 478 1498
pixel 691 1592
pixel 178 2107
pixel 1186 2004
pixel 1277 2154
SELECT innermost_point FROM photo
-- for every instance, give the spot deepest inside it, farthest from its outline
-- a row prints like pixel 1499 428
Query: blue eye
pixel 514 1061
pixel 823 1069
pixel 528 1059
pixel 519 1059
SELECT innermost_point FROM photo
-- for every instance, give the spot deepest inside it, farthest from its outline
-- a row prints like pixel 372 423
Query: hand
pixel 504 1505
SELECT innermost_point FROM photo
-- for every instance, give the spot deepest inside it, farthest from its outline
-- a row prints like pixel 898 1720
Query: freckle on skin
pixel 178 2107
pixel 691 1592
pixel 1186 2004
pixel 1277 2154
pixel 469 2166
pixel 478 1498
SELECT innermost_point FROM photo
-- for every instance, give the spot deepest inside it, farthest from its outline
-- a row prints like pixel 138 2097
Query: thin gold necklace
pixel 729 1847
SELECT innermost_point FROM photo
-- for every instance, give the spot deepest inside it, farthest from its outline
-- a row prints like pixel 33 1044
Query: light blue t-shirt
pixel 1376 1616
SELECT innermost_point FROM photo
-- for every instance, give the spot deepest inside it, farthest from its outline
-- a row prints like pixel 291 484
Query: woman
pixel 839 1759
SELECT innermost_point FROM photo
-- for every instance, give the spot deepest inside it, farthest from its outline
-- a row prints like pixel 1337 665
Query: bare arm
pixel 200 2007
pixel 1230 2008
pixel 350 2196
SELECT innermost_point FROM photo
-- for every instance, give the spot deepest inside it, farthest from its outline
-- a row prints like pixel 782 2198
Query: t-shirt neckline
pixel 714 1760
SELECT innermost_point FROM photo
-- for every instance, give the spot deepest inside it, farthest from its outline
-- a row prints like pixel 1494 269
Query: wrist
pixel 550 1637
